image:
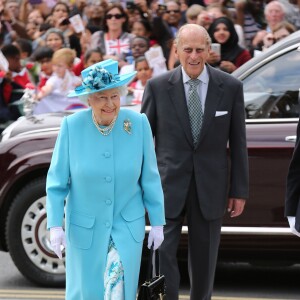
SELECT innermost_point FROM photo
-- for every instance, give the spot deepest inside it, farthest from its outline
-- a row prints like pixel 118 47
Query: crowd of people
pixel 85 53
pixel 32 31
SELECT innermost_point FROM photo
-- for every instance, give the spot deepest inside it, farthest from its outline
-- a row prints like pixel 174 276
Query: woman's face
pixel 139 30
pixel 280 34
pixel 215 12
pixel 60 11
pixel 54 41
pixel 105 105
pixel 221 33
pixel 31 29
pixel 93 59
pixel 114 19
pixel 36 17
pixel 138 47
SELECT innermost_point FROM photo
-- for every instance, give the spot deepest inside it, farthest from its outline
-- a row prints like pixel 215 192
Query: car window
pixel 272 91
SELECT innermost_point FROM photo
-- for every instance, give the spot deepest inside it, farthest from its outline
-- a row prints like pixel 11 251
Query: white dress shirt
pixel 202 87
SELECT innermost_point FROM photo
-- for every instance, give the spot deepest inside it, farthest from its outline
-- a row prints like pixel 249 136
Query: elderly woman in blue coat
pixel 103 177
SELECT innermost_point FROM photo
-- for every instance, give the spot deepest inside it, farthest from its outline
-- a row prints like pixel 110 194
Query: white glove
pixel 292 221
pixel 57 239
pixel 156 236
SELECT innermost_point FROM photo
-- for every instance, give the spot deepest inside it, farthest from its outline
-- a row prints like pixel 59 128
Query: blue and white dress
pixel 114 274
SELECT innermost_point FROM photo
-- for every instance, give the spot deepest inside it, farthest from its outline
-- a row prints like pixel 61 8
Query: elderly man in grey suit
pixel 195 112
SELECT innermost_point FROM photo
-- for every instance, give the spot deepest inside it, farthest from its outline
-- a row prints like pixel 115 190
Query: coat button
pixel 108 201
pixel 107 224
pixel 108 179
pixel 107 154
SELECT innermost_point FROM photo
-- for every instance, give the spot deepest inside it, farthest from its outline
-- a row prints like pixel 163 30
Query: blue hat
pixel 100 77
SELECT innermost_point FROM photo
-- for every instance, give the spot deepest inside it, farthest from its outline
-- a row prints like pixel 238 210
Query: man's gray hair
pixel 278 3
pixel 192 27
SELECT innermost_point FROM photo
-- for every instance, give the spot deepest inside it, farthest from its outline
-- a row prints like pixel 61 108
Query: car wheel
pixel 28 238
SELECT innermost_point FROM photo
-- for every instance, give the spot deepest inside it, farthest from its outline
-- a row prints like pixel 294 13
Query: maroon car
pixel 271 86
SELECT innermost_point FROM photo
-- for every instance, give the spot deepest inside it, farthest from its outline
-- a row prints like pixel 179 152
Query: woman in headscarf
pixel 232 56
pixel 104 170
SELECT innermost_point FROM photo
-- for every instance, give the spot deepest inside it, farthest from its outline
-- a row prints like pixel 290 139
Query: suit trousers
pixel 203 245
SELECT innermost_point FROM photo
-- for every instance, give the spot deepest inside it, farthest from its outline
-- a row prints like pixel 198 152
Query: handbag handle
pixel 153 263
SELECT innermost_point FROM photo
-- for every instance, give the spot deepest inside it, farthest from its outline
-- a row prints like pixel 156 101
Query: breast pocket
pixel 81 230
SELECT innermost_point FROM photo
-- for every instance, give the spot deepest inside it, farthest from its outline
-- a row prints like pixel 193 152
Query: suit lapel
pixel 177 95
pixel 214 93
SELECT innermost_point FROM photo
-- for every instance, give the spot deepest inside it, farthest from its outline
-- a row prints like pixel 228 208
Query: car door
pixel 271 94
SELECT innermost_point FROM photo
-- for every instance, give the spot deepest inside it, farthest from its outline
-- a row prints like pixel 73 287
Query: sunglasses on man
pixel 175 11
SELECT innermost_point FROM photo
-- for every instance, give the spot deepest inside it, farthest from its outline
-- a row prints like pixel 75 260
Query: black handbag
pixel 154 288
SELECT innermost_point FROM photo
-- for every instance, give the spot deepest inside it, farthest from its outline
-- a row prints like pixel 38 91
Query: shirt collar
pixel 203 77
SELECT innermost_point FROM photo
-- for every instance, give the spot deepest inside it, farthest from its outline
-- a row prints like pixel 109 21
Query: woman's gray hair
pixel 60 34
pixel 121 89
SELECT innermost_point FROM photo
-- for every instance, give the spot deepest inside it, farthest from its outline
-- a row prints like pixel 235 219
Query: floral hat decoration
pixel 100 77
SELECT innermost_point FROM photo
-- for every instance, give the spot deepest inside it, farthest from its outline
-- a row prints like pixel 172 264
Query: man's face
pixel 274 14
pixel 173 13
pixel 81 3
pixel 257 4
pixel 13 7
pixel 192 51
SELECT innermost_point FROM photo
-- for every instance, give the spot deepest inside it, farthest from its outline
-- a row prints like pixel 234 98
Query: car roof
pixel 293 40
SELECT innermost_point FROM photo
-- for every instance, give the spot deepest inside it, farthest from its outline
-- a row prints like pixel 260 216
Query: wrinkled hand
pixel 292 221
pixel 156 236
pixel 235 207
pixel 57 239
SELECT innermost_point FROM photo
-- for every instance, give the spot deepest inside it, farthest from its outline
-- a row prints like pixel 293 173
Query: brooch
pixel 127 126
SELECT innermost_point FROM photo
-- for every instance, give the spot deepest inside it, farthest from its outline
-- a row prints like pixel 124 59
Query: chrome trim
pixel 231 230
pixel 271 121
pixel 37 131
pixel 6 133
pixel 291 138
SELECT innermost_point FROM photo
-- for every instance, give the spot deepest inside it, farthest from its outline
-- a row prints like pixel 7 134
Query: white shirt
pixel 202 87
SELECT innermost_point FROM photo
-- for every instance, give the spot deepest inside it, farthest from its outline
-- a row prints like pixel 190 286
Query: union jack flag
pixel 117 47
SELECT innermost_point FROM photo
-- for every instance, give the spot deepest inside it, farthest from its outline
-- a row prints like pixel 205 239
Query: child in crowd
pixel 25 48
pixel 12 84
pixel 144 73
pixel 43 55
pixel 138 46
pixel 53 95
pixel 90 57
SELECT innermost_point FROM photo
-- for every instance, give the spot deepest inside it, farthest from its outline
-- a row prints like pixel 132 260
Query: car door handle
pixel 290 138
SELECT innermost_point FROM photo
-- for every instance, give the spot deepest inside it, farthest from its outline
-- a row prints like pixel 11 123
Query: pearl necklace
pixel 107 129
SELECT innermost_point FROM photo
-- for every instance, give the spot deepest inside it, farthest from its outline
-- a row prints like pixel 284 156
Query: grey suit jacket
pixel 217 174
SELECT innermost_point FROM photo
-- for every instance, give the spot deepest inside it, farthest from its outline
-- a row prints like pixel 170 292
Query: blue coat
pixel 108 183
